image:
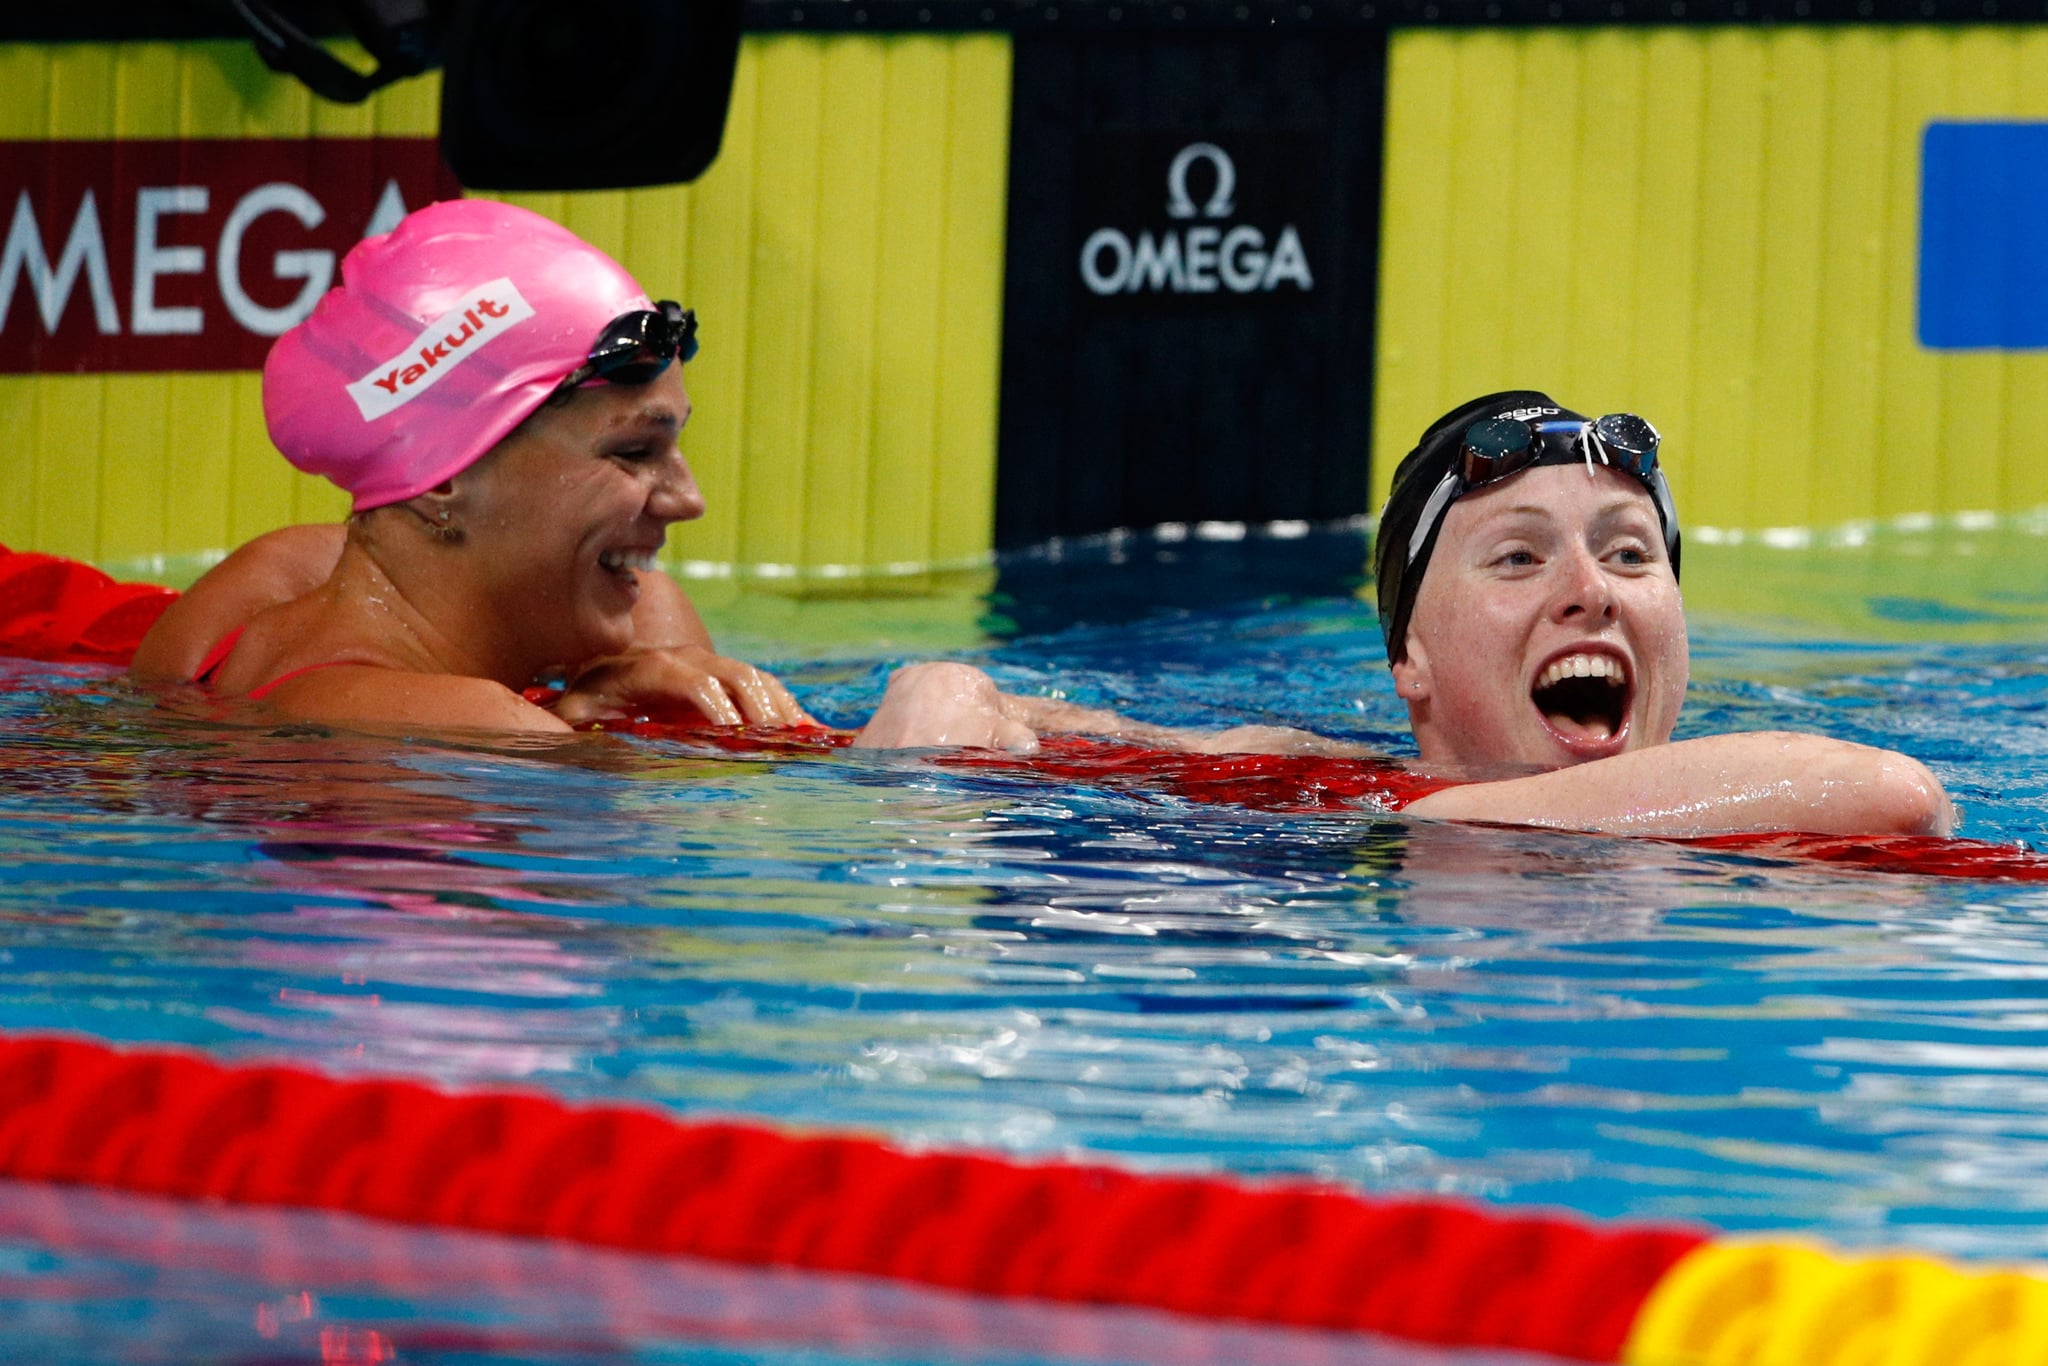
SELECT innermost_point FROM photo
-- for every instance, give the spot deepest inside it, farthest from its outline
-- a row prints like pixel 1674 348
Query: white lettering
pixel 1243 260
pixel 390 209
pixel 316 268
pixel 85 249
pixel 1289 262
pixel 152 261
pixel 482 314
pixel 1195 259
pixel 1202 258
pixel 1091 260
pixel 1156 265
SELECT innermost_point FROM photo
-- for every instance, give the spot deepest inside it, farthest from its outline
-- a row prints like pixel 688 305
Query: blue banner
pixel 1984 236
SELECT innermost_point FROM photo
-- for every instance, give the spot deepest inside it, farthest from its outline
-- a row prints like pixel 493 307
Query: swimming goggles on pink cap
pixel 636 347
pixel 1496 447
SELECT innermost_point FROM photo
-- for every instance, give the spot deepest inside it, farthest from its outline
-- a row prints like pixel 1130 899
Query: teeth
pixel 619 560
pixel 1582 666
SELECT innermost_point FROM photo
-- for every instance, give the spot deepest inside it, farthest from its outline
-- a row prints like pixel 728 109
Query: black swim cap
pixel 1397 574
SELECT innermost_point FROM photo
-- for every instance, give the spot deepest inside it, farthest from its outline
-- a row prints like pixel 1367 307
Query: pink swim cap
pixel 444 334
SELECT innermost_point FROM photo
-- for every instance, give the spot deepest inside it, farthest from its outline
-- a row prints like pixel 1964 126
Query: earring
pixel 441 526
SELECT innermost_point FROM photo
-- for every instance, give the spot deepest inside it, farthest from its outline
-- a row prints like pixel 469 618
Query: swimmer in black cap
pixel 1552 632
pixel 1527 565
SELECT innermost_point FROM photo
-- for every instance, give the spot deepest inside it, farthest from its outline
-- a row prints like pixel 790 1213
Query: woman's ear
pixel 1411 674
pixel 438 509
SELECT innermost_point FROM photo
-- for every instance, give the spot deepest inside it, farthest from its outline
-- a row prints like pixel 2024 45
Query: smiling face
pixel 563 511
pixel 1549 628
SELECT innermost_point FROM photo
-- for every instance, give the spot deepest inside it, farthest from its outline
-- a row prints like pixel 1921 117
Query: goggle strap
pixel 1432 512
pixel 1667 511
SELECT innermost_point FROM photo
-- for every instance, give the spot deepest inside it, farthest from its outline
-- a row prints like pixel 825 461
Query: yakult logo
pixel 488 311
pixel 1201 259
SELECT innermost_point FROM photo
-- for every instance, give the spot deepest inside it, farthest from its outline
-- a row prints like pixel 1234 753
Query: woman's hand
pixel 725 692
pixel 928 706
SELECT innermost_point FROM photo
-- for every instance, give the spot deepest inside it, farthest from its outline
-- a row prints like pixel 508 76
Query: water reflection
pixel 131 1279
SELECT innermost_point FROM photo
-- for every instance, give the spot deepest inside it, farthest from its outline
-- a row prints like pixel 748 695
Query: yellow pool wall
pixel 1716 228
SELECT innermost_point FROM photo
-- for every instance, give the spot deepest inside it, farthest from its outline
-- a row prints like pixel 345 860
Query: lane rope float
pixel 172 1123
pixel 175 1124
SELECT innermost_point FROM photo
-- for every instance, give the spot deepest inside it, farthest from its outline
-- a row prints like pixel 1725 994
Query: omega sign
pixel 1205 251
pixel 186 255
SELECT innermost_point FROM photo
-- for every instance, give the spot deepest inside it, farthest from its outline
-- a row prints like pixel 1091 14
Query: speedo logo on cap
pixel 485 312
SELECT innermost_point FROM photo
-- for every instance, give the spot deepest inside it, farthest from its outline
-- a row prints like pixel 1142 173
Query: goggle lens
pixel 1495 449
pixel 636 347
pixel 1630 442
pixel 1500 446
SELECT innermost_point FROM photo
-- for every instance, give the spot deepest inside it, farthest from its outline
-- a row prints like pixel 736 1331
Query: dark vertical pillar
pixel 1192 258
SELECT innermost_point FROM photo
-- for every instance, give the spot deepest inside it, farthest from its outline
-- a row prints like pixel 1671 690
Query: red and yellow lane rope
pixel 176 1124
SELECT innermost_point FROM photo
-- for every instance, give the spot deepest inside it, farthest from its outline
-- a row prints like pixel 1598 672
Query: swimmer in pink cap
pixel 503 403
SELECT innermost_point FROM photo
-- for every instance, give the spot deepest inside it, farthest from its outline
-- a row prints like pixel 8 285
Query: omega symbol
pixel 1220 205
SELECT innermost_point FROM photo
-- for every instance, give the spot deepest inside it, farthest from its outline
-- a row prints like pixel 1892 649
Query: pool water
pixel 948 957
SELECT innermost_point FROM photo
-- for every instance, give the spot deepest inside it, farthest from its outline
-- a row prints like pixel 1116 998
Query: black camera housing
pixel 603 94
pixel 537 94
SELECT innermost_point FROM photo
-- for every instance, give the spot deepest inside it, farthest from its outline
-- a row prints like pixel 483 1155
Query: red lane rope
pixel 176 1124
pixel 63 612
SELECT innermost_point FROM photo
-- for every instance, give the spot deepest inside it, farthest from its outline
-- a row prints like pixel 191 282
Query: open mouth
pixel 626 562
pixel 1584 696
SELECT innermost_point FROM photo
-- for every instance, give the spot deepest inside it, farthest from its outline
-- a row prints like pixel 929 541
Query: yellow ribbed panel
pixel 1717 228
pixel 845 255
pixel 1785 1304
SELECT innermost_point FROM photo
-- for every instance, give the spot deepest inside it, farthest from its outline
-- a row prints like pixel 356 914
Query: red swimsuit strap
pixel 258 694
pixel 217 656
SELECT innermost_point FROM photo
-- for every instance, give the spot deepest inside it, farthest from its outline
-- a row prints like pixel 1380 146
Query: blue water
pixel 1623 1028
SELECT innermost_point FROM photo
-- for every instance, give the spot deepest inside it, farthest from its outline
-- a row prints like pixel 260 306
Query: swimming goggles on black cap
pixel 1496 437
pixel 1497 447
pixel 636 347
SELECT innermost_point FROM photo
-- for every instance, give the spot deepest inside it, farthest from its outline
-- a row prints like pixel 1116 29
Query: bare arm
pixel 1759 780
pixel 1763 780
pixel 931 705
pixel 377 698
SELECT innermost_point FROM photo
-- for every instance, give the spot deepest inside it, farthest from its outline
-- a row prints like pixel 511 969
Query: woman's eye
pixel 1632 555
pixel 1517 559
